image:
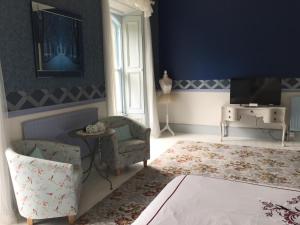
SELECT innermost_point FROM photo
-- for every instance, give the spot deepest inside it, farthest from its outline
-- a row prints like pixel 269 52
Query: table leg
pixel 283 134
pixel 221 127
pixel 106 175
pixel 92 153
pixel 226 128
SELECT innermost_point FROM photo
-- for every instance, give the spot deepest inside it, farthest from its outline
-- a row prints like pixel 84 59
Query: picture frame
pixel 57 39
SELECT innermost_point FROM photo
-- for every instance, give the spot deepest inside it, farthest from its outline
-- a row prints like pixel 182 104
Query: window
pixel 129 66
pixel 119 77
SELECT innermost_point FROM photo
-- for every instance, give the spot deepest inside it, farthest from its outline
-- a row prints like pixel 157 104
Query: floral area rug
pixel 251 164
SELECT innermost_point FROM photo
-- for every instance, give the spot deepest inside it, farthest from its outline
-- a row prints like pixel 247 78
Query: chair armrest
pixel 35 166
pixel 139 131
pixel 54 151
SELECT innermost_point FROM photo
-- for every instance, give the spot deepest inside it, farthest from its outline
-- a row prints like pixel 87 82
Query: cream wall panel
pixel 204 107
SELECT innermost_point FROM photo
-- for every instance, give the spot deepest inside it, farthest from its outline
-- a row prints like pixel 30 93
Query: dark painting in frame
pixel 57 38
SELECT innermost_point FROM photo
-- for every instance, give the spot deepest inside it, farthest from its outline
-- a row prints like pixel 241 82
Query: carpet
pixel 244 163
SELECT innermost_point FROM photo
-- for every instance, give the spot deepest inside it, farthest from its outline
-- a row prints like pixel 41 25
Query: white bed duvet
pixel 196 200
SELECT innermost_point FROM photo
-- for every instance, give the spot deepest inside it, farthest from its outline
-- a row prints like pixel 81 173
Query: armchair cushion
pixel 123 133
pixel 37 153
pixel 131 145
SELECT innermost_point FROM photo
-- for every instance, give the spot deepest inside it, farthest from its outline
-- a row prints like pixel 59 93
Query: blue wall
pixel 23 89
pixel 217 39
pixel 154 19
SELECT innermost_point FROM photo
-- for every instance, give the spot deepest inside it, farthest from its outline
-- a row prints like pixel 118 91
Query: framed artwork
pixel 57 37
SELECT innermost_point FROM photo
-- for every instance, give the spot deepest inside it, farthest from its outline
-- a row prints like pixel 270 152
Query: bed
pixel 197 200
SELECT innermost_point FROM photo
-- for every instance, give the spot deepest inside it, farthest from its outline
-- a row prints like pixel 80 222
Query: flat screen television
pixel 261 91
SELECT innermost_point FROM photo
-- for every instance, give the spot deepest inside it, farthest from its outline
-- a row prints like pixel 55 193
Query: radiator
pixel 295 114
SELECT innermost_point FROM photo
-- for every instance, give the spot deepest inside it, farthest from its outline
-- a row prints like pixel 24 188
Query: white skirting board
pixel 233 131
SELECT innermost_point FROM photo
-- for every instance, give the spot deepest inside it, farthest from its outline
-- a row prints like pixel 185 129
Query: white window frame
pixel 119 70
pixel 119 26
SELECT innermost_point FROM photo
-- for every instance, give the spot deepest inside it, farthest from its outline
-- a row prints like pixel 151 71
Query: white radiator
pixel 295 114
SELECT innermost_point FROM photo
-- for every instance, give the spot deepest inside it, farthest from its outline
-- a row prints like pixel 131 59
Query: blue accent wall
pixel 217 39
pixel 23 89
pixel 154 20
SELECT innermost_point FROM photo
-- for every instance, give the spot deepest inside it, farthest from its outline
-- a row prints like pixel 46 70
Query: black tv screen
pixel 262 91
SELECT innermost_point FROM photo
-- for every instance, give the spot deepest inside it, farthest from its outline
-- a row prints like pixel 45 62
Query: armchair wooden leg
pixel 29 221
pixel 71 219
pixel 118 172
pixel 145 163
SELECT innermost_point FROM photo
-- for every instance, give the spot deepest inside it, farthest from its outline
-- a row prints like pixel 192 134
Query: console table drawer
pixel 250 112
pixel 231 114
pixel 273 116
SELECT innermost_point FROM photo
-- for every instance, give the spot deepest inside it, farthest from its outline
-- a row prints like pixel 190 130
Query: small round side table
pixel 94 150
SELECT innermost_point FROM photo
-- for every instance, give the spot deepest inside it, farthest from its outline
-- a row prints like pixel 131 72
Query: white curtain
pixel 109 67
pixel 150 79
pixel 142 5
pixel 7 214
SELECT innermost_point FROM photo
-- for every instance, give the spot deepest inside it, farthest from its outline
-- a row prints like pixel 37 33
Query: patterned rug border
pixel 230 144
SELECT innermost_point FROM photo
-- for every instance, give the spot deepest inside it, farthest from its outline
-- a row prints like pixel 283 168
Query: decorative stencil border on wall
pixel 290 84
pixel 21 100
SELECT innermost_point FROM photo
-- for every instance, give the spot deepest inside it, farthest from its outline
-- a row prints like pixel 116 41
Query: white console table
pixel 269 115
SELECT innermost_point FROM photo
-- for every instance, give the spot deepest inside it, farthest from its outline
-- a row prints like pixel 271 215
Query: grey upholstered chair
pixel 119 154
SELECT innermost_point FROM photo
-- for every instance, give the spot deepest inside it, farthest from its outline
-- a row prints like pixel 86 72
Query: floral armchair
pixel 119 154
pixel 48 187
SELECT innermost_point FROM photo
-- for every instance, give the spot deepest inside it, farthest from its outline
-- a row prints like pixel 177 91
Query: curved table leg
pixel 99 170
pixel 283 134
pixel 221 127
pixel 93 150
pixel 92 153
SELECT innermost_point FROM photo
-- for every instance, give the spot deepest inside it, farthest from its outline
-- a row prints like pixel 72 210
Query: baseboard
pixel 260 133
